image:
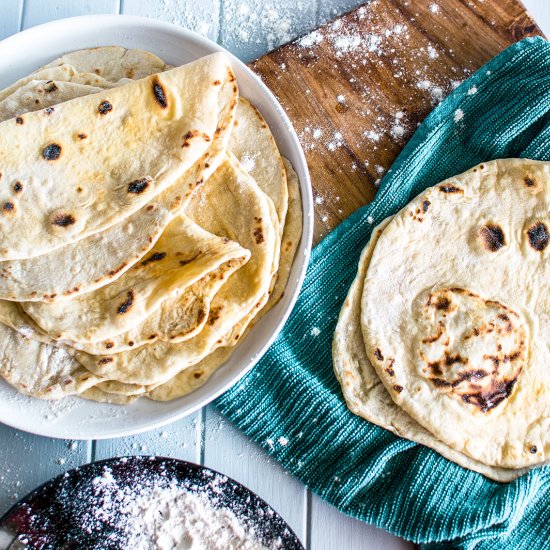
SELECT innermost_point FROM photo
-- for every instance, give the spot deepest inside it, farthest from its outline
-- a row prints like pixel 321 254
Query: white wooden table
pixel 248 28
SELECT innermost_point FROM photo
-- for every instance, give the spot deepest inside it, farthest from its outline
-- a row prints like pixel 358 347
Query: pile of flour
pixel 174 518
pixel 158 512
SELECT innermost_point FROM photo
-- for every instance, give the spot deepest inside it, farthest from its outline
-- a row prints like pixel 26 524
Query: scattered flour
pixel 459 115
pixel 199 18
pixel 248 162
pixel 172 517
pixel 26 331
pixel 143 504
pixel 315 332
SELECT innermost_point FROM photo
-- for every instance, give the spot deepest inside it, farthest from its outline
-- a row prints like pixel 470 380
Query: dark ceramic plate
pixel 68 512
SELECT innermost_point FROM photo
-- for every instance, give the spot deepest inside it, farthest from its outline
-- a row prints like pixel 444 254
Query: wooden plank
pixel 36 12
pixel 250 29
pixel 331 529
pixel 229 451
pixel 11 17
pixel 26 461
pixel 181 439
pixel 202 17
pixel 357 88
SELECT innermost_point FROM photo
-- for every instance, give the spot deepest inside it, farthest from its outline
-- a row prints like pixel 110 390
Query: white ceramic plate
pixel 81 419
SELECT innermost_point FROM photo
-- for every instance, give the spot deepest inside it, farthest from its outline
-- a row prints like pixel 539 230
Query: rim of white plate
pixel 81 419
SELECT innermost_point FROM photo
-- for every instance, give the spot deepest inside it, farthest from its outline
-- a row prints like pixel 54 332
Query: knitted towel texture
pixel 361 469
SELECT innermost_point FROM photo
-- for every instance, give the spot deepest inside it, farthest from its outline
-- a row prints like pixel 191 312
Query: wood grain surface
pixel 357 88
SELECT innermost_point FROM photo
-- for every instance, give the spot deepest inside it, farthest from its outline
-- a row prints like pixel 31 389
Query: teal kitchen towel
pixel 293 395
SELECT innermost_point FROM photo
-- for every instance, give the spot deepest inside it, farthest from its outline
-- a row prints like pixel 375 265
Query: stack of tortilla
pixel 147 220
pixel 443 337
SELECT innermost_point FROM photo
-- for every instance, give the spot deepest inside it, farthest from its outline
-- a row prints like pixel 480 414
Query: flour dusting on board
pixel 381 50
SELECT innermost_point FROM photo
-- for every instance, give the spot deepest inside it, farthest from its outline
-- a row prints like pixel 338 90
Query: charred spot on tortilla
pixel 19 120
pixel 8 207
pixel 259 235
pixel 538 236
pixel 159 93
pixel 530 182
pixel 63 220
pixel 138 186
pixel 492 237
pixel 49 111
pixel 109 345
pixel 450 189
pixel 104 108
pixel 127 305
pixel 155 257
pixel 52 152
pixel 50 86
pixel 105 360
pixel 18 187
pixel 82 136
pixel 188 137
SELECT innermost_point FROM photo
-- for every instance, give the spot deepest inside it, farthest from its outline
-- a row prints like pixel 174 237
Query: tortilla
pixel 190 379
pixel 365 394
pixel 41 370
pixel 455 312
pixel 217 206
pixel 59 202
pixel 178 319
pixel 92 262
pixel 65 73
pixel 254 146
pixel 39 94
pixel 112 63
pixel 95 393
pixel 182 256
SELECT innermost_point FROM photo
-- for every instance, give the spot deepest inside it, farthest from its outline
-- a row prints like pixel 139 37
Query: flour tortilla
pixel 218 206
pixel 254 146
pixel 39 94
pixel 180 108
pixel 103 67
pixel 365 394
pixel 39 369
pixel 95 393
pixel 65 73
pixel 291 236
pixel 178 319
pixel 112 63
pixel 92 262
pixel 182 256
pixel 190 379
pixel 455 312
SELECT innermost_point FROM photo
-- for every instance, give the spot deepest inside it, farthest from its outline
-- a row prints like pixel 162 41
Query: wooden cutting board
pixel 357 88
